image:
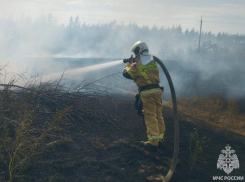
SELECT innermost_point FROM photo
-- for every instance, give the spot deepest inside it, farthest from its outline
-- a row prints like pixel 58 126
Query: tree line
pixel 44 36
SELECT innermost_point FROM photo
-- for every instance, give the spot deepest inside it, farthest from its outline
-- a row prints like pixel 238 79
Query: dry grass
pixel 213 110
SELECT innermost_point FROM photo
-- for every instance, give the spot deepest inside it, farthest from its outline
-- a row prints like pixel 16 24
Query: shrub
pixel 26 129
pixel 197 146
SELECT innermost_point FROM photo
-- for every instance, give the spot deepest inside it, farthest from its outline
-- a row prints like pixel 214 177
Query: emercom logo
pixel 228 161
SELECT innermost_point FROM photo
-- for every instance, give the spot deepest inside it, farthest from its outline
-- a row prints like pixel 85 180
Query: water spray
pixel 76 71
pixel 175 110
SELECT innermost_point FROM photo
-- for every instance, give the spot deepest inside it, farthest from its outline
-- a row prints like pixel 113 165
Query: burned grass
pixel 49 133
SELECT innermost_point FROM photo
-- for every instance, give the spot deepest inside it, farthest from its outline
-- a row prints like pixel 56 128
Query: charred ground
pixel 100 140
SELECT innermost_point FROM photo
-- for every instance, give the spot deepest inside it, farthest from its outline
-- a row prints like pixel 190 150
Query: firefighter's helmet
pixel 139 47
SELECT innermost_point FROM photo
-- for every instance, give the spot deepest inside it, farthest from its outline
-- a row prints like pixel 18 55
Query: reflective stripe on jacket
pixel 151 91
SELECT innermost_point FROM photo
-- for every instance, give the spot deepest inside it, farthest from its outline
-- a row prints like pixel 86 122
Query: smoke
pixel 41 46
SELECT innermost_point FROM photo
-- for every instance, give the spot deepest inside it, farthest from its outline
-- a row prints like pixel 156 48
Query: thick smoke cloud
pixel 43 46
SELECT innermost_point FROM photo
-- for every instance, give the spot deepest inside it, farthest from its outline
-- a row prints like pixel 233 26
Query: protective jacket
pixel 145 73
pixel 142 75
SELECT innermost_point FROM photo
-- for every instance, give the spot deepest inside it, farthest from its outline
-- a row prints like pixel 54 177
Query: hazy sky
pixel 218 15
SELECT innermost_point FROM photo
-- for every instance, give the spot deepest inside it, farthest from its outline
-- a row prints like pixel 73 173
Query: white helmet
pixel 139 47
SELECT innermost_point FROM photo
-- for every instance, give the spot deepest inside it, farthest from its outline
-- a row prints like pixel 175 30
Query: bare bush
pixel 28 124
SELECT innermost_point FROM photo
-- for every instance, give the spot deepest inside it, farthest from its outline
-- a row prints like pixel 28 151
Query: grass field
pixel 52 134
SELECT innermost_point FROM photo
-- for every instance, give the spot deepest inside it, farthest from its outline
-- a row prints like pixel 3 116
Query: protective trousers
pixel 152 110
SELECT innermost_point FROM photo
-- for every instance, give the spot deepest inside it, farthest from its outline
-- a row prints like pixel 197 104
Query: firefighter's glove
pixel 128 65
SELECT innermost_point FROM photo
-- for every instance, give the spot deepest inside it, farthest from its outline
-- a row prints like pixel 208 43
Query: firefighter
pixel 145 73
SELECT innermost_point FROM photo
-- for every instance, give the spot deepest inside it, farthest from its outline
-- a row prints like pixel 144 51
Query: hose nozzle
pixel 129 60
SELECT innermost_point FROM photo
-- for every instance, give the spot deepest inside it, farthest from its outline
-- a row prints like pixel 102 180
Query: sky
pixel 218 15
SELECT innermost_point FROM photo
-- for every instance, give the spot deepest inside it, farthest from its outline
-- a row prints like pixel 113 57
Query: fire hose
pixel 175 111
pixel 176 122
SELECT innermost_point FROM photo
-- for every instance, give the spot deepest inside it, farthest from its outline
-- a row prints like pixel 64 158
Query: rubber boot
pixel 161 141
